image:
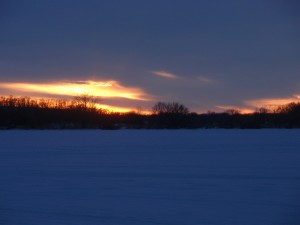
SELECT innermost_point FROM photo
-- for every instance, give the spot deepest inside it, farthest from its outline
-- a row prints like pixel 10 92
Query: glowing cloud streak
pixel 101 89
pixel 165 74
pixel 67 89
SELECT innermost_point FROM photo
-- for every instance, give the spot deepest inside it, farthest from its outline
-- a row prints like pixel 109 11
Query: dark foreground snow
pixel 185 177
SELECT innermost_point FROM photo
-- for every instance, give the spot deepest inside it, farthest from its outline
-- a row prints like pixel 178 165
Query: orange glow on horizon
pixel 272 102
pixel 100 89
pixel 108 89
pixel 117 109
pixel 269 103
pixel 241 110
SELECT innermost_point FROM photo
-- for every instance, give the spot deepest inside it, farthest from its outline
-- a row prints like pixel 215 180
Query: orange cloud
pixel 102 89
pixel 165 74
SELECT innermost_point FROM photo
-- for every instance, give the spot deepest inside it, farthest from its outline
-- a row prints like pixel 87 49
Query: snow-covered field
pixel 133 177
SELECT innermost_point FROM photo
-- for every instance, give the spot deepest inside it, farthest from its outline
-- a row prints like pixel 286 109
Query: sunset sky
pixel 207 54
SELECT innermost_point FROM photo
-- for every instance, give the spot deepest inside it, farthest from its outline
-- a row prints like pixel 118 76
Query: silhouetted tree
pixel 85 101
pixel 289 108
pixel 232 112
pixel 169 108
pixel 262 110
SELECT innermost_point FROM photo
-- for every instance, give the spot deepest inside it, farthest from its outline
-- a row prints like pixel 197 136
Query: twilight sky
pixel 206 54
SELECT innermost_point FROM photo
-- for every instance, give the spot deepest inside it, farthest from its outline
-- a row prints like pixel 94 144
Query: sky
pixel 206 54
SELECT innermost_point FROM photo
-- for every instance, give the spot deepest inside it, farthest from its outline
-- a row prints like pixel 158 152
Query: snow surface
pixel 140 177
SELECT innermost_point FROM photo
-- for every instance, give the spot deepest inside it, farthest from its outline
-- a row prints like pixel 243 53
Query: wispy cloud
pixel 184 79
pixel 205 79
pixel 165 74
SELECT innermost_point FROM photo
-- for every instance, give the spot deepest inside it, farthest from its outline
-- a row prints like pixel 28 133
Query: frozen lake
pixel 155 177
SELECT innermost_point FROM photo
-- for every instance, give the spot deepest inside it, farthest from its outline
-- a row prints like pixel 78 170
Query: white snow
pixel 140 177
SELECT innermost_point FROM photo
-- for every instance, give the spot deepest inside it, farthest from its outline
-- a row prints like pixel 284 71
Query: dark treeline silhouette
pixel 82 113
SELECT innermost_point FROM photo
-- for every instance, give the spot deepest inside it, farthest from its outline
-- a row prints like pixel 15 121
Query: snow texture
pixel 155 177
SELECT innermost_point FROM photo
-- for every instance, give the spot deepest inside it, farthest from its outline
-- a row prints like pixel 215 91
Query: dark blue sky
pixel 218 53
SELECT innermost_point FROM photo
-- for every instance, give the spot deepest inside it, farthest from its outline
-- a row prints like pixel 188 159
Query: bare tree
pixel 170 108
pixel 232 112
pixel 262 110
pixel 85 101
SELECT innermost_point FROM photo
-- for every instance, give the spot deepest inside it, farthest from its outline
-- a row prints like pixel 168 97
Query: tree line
pixel 81 113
